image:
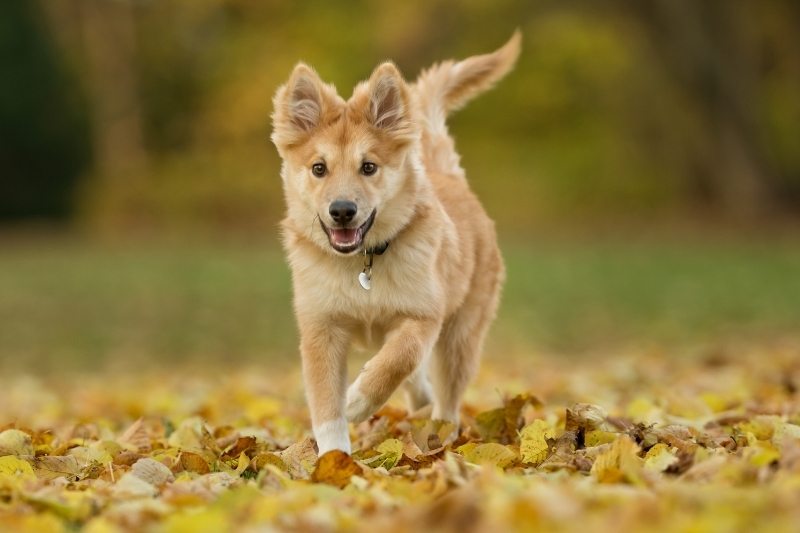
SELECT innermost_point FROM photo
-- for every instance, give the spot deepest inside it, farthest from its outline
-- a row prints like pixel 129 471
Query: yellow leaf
pixel 203 521
pixel 193 434
pixel 643 409
pixel 597 437
pixel 13 470
pixel 763 454
pixel 242 463
pixel 489 453
pixel 620 463
pixel 15 442
pixel 261 460
pixel 659 458
pixel 491 425
pixel 533 445
pixel 761 427
pixel 390 452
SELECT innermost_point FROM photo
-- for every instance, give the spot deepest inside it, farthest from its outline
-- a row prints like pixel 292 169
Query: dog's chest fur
pixel 405 281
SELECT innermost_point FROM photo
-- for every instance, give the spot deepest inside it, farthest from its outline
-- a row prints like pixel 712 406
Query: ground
pixel 663 397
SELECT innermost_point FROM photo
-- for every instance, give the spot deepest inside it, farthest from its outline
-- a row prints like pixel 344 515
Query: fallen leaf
pixel 300 458
pixel 491 453
pixel 152 471
pixel 620 463
pixel 659 458
pixel 53 466
pixel 13 470
pixel 388 455
pixel 15 442
pixel 335 468
pixel 193 462
pixel 533 446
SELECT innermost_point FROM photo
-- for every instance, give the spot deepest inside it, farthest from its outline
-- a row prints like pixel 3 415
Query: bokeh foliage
pixel 617 108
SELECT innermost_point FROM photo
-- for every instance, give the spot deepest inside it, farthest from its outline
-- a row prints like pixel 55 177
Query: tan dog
pixel 385 240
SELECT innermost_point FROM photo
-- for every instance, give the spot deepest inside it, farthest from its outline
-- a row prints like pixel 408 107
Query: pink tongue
pixel 344 235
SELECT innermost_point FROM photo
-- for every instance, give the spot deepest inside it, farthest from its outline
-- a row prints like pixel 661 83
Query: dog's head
pixel 346 164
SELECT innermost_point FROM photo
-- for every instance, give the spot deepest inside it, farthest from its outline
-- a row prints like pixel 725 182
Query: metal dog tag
pixel 363 279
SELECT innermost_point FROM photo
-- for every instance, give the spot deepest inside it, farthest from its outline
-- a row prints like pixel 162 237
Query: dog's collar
pixel 377 250
pixel 365 278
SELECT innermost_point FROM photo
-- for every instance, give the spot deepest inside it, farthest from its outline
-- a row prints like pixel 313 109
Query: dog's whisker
pixel 311 226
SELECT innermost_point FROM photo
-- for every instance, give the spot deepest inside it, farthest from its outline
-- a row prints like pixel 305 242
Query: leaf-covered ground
pixel 637 442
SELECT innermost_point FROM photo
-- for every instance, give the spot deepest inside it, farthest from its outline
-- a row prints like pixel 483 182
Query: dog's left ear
pixel 389 104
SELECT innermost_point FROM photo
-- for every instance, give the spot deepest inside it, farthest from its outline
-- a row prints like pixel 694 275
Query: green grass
pixel 69 304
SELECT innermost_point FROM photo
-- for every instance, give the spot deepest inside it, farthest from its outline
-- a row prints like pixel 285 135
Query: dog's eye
pixel 319 169
pixel 368 168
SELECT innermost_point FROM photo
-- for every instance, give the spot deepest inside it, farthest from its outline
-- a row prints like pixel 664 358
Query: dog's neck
pixel 378 250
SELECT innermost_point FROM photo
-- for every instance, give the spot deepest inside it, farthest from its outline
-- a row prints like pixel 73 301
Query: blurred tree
pixel 624 108
pixel 44 136
pixel 719 60
pixel 108 32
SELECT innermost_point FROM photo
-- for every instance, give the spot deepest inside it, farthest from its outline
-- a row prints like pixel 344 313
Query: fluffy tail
pixel 448 86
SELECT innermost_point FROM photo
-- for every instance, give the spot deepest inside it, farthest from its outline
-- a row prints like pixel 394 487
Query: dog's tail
pixel 448 86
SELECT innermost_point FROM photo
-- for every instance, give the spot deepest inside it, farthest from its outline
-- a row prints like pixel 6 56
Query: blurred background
pixel 642 163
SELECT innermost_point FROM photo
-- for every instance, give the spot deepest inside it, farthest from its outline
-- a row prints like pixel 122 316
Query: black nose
pixel 343 211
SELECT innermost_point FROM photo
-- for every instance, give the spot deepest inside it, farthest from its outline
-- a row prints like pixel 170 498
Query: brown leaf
pixel 501 424
pixel 126 458
pixel 194 462
pixel 429 435
pixel 582 417
pixel 242 444
pixel 300 458
pixel 335 468
pixel 136 435
pixel 564 455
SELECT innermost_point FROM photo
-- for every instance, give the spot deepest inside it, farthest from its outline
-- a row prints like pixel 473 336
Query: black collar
pixel 378 250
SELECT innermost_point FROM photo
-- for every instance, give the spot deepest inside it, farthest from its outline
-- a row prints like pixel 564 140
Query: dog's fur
pixel 436 289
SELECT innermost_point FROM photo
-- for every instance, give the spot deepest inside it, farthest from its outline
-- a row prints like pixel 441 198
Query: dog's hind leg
pixel 456 359
pixel 418 387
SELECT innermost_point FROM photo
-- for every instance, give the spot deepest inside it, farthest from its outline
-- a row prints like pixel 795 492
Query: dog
pixel 386 243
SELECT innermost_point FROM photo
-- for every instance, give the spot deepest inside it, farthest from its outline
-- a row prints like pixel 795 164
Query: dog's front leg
pixel 323 347
pixel 406 345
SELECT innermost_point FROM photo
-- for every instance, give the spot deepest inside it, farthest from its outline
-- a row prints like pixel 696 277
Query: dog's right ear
pixel 300 106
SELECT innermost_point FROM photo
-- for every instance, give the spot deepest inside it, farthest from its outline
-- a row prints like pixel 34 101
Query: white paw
pixel 359 407
pixel 332 435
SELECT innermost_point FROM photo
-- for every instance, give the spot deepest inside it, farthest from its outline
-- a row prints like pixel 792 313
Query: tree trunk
pixel 700 45
pixel 109 46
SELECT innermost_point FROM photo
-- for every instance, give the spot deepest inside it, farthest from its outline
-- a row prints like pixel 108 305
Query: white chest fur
pixel 400 282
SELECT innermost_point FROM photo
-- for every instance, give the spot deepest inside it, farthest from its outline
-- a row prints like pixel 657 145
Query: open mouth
pixel 346 240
